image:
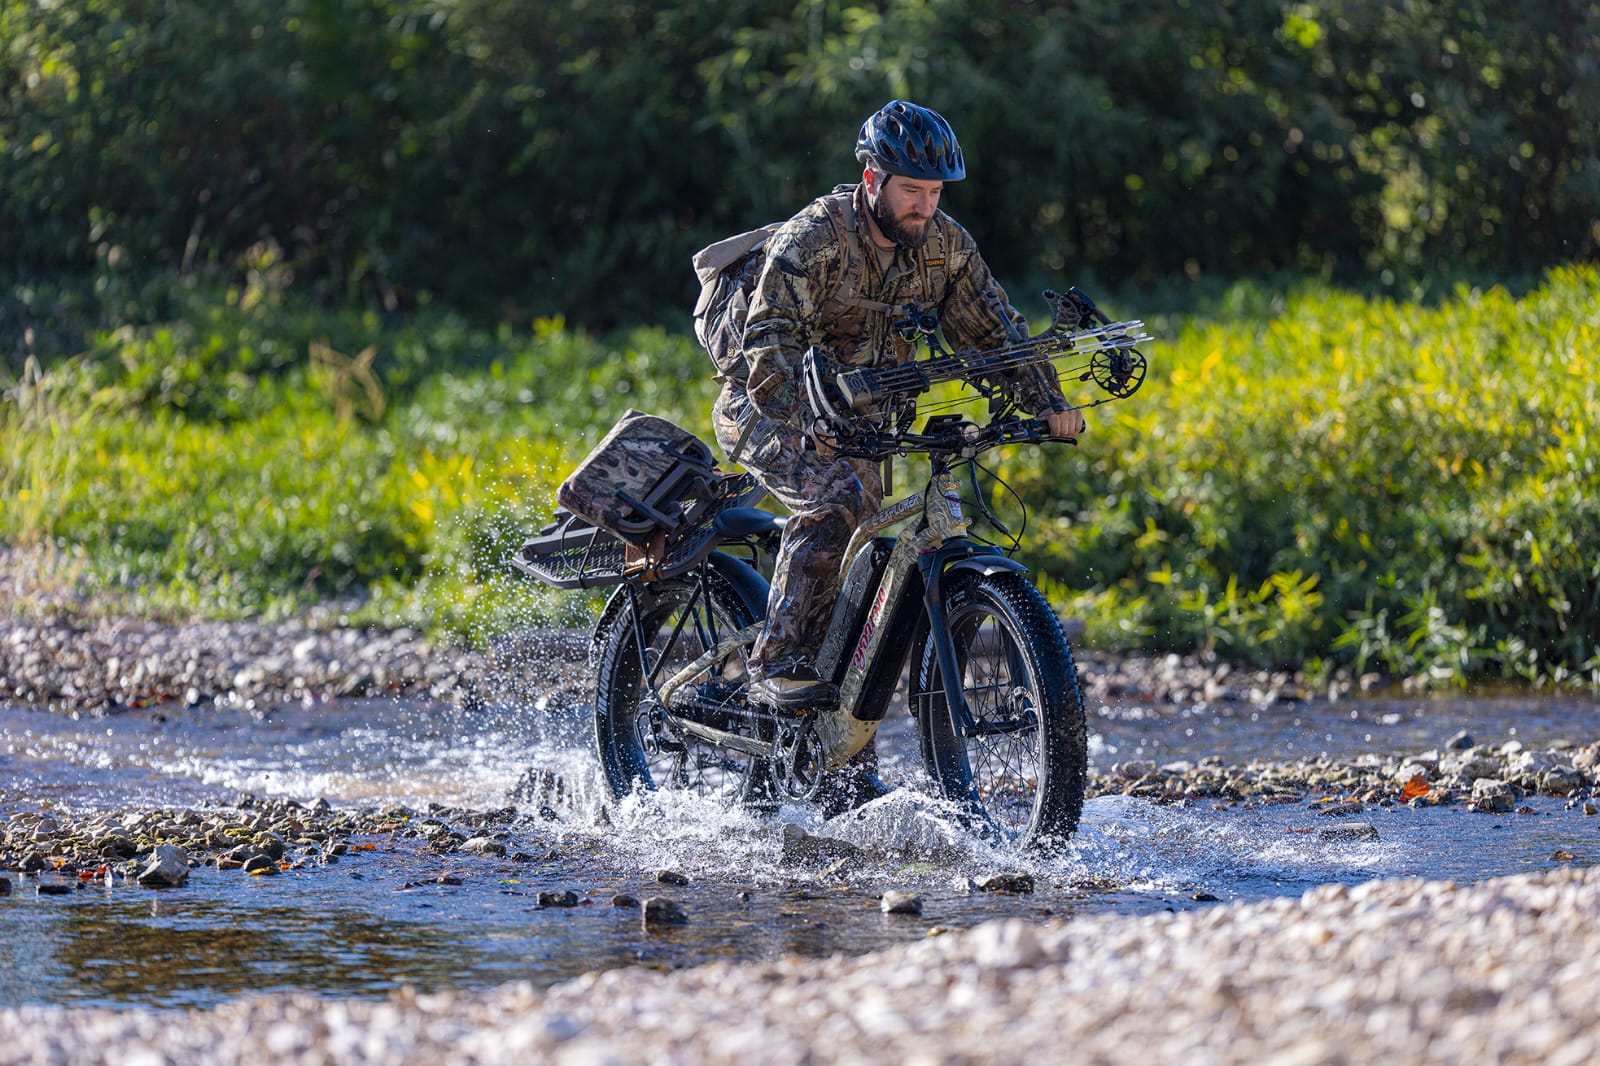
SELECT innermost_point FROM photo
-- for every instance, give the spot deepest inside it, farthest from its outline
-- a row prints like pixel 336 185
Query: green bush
pixel 1308 479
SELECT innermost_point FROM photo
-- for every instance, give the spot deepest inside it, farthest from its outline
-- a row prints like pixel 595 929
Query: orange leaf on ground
pixel 1417 786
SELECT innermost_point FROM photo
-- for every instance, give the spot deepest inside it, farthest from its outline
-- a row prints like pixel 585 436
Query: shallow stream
pixel 380 918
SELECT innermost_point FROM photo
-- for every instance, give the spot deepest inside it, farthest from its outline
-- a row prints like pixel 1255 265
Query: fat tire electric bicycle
pixel 990 678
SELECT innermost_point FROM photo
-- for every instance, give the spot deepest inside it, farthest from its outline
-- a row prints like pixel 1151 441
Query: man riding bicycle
pixel 838 276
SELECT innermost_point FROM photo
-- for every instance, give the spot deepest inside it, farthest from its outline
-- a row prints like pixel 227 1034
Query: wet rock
pixel 54 888
pixel 1559 781
pixel 269 844
pixel 1492 796
pixel 1471 764
pixel 1459 742
pixel 168 867
pixel 258 864
pixel 894 902
pixel 623 900
pixel 671 877
pixel 1134 769
pixel 116 846
pixel 660 911
pixel 1349 831
pixel 1017 883
pixel 564 898
pixel 800 848
pixel 483 846
pixel 5 886
pixel 1341 810
pixel 1434 797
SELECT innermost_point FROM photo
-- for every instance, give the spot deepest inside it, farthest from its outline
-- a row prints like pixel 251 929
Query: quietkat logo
pixel 858 661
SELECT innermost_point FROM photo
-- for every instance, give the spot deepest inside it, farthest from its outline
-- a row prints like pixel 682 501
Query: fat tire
pixel 621 749
pixel 1059 751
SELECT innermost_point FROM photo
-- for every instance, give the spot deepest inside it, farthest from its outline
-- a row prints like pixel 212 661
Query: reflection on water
pixel 366 925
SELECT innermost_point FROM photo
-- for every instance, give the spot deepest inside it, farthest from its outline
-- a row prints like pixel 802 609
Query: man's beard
pixel 895 230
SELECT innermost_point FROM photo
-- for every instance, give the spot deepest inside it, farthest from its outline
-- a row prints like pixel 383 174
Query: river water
pixel 380 919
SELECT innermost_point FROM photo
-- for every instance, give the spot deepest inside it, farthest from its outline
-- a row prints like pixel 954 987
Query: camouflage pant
pixel 827 498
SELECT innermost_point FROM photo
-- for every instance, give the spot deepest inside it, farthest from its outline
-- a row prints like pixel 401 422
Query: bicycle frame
pixel 911 581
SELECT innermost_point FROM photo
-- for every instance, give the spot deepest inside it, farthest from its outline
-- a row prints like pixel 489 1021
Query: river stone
pixel 1459 742
pixel 622 899
pixel 901 903
pixel 803 849
pixel 483 846
pixel 1491 796
pixel 258 864
pixel 1559 781
pixel 564 898
pixel 269 844
pixel 5 886
pixel 1349 831
pixel 1471 764
pixel 116 846
pixel 1017 883
pixel 671 877
pixel 658 910
pixel 168 868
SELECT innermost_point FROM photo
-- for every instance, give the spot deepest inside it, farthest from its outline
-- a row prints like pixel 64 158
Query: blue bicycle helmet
pixel 912 141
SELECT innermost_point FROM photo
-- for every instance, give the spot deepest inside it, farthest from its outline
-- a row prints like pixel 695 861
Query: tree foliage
pixel 515 159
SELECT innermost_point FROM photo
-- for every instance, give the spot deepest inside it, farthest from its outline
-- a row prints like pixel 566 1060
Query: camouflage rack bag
pixel 646 478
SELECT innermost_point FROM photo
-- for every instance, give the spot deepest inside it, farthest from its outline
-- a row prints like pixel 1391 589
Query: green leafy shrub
pixel 1311 478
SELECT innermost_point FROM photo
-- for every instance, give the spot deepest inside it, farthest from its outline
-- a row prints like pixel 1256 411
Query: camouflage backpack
pixel 729 269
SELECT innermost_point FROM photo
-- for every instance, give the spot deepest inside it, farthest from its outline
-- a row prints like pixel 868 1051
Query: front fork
pixel 935 565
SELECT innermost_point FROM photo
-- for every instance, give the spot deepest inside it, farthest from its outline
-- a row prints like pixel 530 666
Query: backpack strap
pixel 842 210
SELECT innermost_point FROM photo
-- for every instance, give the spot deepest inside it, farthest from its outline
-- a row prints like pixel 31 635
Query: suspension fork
pixel 932 565
pixel 948 558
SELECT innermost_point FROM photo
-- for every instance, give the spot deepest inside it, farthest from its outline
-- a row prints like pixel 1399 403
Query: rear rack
pixel 571 553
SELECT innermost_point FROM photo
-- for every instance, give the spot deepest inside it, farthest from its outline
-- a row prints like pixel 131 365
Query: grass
pixel 1313 479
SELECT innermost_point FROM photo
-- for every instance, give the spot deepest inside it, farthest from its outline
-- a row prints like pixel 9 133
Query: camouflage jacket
pixel 823 285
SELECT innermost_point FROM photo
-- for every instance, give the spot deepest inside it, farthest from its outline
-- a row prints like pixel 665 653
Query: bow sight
pixel 869 411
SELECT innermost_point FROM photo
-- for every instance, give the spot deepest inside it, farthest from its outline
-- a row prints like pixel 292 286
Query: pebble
pixel 1349 831
pixel 658 910
pixel 168 867
pixel 1018 883
pixel 894 902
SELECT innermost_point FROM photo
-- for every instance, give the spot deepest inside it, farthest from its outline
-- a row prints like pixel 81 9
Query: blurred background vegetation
pixel 304 299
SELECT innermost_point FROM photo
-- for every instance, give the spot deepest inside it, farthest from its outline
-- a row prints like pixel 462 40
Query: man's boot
pixel 789 684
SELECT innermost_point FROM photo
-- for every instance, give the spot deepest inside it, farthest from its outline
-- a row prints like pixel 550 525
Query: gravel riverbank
pixel 1506 971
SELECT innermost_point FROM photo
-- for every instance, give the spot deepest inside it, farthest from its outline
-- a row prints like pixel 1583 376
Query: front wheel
pixel 1020 763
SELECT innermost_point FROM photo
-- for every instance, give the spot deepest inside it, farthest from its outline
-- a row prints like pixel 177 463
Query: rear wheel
pixel 1020 764
pixel 641 746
